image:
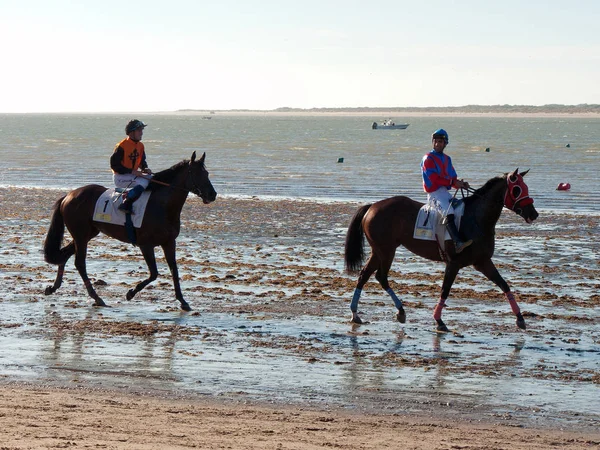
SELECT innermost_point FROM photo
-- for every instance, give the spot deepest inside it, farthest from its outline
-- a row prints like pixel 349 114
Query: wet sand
pixel 268 358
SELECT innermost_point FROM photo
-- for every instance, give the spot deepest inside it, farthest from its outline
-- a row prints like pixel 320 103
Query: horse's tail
pixel 354 253
pixel 53 253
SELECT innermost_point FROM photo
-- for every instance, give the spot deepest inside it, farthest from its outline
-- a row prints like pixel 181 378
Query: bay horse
pixel 390 223
pixel 161 224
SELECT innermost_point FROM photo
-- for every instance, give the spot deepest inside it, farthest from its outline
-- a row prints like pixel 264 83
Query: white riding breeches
pixel 441 199
pixel 129 180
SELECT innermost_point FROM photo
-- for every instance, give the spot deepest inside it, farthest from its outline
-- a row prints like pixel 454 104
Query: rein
pixel 162 183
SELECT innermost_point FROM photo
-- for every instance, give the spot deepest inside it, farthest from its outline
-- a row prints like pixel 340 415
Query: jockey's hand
pixel 139 173
pixel 147 171
pixel 461 184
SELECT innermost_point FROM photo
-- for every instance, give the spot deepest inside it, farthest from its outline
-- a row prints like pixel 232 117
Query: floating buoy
pixel 487 149
pixel 563 186
pixel 340 160
pixel 568 145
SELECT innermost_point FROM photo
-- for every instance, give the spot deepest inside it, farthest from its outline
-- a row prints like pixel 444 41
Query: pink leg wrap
pixel 437 311
pixel 513 303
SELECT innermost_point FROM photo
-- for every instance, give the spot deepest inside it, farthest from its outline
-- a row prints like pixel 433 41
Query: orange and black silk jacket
pixel 128 156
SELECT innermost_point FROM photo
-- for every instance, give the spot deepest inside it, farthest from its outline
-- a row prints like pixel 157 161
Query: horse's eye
pixel 516 191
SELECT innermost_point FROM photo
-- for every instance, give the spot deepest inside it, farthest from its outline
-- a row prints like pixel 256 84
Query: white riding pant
pixel 441 200
pixel 129 180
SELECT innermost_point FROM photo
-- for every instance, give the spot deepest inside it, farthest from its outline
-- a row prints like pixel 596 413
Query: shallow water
pixel 297 157
pixel 271 319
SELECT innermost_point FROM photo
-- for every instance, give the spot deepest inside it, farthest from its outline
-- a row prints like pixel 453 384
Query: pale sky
pixel 151 55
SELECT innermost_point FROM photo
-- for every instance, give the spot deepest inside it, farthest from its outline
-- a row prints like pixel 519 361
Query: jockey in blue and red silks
pixel 439 177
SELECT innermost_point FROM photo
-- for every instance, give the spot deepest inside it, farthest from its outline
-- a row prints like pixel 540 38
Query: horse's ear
pixel 202 159
pixel 193 156
pixel 524 173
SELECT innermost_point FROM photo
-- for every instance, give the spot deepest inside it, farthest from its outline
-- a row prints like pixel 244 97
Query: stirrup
pixel 459 246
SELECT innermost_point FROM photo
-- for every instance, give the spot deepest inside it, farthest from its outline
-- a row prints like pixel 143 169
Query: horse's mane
pixel 486 188
pixel 168 175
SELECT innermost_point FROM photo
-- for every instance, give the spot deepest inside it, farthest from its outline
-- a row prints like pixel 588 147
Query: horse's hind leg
pixel 489 270
pixel 80 255
pixel 382 277
pixel 363 277
pixel 150 258
pixel 69 250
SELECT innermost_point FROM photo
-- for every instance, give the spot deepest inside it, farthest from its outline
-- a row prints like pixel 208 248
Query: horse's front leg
pixel 489 270
pixel 150 258
pixel 449 277
pixel 169 250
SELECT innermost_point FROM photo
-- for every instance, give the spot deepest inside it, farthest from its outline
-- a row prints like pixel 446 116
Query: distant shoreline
pixel 582 110
pixel 391 114
pixel 375 113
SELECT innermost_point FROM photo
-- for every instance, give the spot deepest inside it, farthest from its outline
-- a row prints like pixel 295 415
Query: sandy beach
pixel 263 266
pixel 36 418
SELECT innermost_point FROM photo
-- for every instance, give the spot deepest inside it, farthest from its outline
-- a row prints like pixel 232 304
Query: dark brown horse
pixel 390 223
pixel 160 226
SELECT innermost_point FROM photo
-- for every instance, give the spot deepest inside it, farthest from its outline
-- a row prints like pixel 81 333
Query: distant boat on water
pixel 389 125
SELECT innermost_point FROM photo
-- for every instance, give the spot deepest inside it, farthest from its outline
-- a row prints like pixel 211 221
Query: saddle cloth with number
pixel 107 208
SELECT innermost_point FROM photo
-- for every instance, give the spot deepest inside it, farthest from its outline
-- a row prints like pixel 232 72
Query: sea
pixel 318 157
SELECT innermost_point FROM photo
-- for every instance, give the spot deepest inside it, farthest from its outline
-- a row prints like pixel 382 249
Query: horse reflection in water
pixel 390 223
pixel 160 226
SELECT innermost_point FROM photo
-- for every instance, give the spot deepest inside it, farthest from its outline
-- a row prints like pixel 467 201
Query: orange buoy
pixel 563 186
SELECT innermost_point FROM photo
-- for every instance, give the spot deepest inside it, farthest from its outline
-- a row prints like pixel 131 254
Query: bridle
pixel 517 193
pixel 516 196
pixel 195 188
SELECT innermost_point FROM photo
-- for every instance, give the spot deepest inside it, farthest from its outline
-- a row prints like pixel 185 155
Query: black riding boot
pixel 459 245
pixel 132 196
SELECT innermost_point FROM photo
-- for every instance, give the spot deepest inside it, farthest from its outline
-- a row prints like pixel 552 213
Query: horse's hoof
pixel 401 316
pixel 521 322
pixel 441 327
pixel 101 304
pixel 49 290
pixel 185 306
pixel 130 294
pixel 356 319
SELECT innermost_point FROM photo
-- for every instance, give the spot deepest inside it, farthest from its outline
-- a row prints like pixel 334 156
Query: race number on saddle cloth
pixel 107 208
pixel 429 225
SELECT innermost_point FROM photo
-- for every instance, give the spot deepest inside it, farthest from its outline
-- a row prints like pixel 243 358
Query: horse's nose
pixel 534 214
pixel 209 196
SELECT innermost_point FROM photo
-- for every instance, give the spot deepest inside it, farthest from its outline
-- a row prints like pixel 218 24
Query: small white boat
pixel 389 125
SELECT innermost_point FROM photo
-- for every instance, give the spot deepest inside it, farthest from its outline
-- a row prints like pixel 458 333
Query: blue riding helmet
pixel 133 125
pixel 441 133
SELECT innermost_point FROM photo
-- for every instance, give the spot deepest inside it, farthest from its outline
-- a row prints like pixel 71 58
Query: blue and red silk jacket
pixel 438 171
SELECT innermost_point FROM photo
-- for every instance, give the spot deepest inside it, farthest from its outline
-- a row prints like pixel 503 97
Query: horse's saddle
pixel 107 207
pixel 429 227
